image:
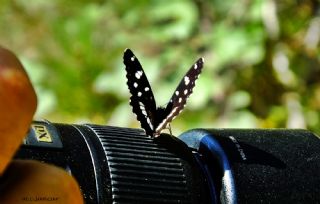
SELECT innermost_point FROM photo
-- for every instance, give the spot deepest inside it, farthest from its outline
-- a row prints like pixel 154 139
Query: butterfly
pixel 154 119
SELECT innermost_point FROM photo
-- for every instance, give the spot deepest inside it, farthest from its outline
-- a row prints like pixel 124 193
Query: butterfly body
pixel 154 119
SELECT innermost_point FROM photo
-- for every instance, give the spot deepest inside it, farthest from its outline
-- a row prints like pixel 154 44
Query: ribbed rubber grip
pixel 142 171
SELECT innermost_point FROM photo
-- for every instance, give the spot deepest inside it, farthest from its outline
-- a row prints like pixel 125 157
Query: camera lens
pixel 119 165
pixel 123 165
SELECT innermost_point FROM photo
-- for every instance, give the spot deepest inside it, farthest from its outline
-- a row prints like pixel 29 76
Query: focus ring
pixel 141 171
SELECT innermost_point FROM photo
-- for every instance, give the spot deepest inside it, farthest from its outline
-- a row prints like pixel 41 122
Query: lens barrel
pixel 122 165
pixel 258 165
pixel 118 165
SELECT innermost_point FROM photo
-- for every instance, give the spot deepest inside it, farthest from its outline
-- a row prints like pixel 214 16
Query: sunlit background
pixel 262 59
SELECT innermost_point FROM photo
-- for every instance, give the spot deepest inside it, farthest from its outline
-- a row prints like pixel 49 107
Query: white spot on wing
pixel 185 91
pixel 146 89
pixel 149 122
pixel 177 93
pixel 132 58
pixel 139 94
pixel 138 74
pixel 180 99
pixel 135 84
pixel 186 80
pixel 144 112
pixel 195 66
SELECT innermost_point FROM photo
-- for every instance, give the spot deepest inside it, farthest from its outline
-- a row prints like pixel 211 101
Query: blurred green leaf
pixel 73 54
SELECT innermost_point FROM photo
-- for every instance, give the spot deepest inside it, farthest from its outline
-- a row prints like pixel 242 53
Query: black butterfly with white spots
pixel 154 119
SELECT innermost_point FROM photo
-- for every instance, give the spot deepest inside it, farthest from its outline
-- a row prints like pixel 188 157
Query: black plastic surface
pixel 268 165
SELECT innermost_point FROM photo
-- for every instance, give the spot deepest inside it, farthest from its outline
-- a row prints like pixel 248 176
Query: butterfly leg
pixel 169 128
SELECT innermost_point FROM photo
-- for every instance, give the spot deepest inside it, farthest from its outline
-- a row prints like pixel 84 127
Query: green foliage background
pixel 262 59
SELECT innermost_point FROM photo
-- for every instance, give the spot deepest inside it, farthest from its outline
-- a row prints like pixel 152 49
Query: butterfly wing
pixel 142 99
pixel 179 98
